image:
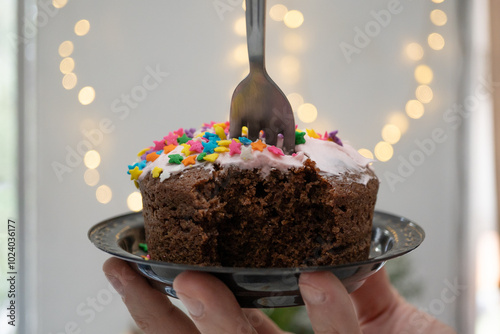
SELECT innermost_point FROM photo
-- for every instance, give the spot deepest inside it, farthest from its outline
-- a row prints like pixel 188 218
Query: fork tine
pixel 235 126
pixel 271 136
pixel 253 130
pixel 289 138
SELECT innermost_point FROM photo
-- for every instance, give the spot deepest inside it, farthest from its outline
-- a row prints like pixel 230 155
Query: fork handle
pixel 256 30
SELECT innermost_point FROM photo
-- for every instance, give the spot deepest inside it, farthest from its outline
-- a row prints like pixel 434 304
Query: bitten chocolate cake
pixel 208 200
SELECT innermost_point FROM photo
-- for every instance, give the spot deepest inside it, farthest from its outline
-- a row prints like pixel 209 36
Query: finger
pixel 328 304
pixel 261 322
pixel 152 311
pixel 211 304
pixel 375 298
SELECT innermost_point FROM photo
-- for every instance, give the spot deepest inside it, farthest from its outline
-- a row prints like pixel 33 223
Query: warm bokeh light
pixel 383 151
pixel 103 194
pixel 240 27
pixel 240 54
pixel 293 19
pixel 423 74
pixel 424 93
pixel 91 177
pixel 414 51
pixel 82 27
pixel 400 120
pixel 134 201
pixel 67 65
pixel 438 17
pixel 296 100
pixel 92 159
pixel 59 3
pixel 366 153
pixel 414 109
pixel 436 41
pixel 293 42
pixel 86 95
pixel 307 113
pixel 69 81
pixel 66 48
pixel 290 68
pixel 244 5
pixel 391 133
pixel 278 12
pixel 437 1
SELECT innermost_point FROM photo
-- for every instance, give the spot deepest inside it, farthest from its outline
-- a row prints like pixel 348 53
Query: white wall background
pixel 195 45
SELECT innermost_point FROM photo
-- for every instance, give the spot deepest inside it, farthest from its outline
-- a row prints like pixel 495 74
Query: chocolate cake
pixel 209 200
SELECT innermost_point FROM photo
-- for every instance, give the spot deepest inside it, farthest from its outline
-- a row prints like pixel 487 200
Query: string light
pixel 383 151
pixel 423 74
pixel 424 93
pixel 295 100
pixel 86 95
pixel 400 120
pixel 438 17
pixel 391 133
pixel 366 153
pixel 59 3
pixel 307 113
pixel 437 1
pixel 414 51
pixel 414 109
pixel 82 27
pixel 103 194
pixel 91 177
pixel 293 19
pixel 240 27
pixel 92 159
pixel 67 65
pixel 69 81
pixel 436 41
pixel 134 201
pixel 278 12
pixel 66 49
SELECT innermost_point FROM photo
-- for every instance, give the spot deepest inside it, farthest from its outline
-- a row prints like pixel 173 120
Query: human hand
pixel 374 308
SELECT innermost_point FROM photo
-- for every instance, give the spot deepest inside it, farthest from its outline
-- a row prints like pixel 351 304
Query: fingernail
pixel 194 306
pixel 115 282
pixel 311 294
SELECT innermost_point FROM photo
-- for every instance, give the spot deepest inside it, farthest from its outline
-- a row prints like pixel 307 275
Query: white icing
pixel 330 159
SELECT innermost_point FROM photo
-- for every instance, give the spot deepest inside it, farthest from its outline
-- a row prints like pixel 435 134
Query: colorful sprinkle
pixel 175 159
pixel 211 157
pixel 244 131
pixel 135 173
pixel 234 148
pixel 143 151
pixel 221 149
pixel 209 147
pixel 184 139
pixel 196 146
pixel 299 137
pixel 169 148
pixel 246 153
pixel 275 150
pixel 158 145
pixel 225 142
pixel 136 184
pixel 311 133
pixel 220 132
pixel 152 156
pixel 143 246
pixel 157 171
pixel 333 136
pixel 186 150
pixel 179 132
pixel 191 160
pixel 190 132
pixel 245 140
pixel 258 145
pixel 201 156
pixel 171 139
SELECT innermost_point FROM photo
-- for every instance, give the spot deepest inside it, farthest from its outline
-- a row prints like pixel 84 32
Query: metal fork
pixel 257 101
